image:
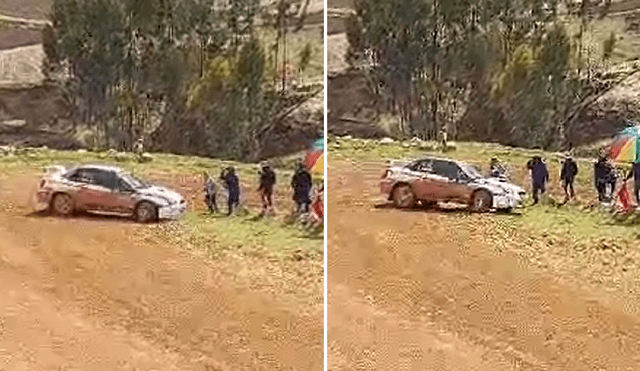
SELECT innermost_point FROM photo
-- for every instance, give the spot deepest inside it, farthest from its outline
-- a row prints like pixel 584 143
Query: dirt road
pixel 429 290
pixel 90 293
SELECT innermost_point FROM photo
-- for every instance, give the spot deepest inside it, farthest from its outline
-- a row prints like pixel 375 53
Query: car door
pixel 441 180
pixel 96 195
pixel 459 186
pixel 81 184
pixel 123 197
pixel 424 184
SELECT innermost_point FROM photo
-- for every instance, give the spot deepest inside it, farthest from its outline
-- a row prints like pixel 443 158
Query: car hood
pixel 498 186
pixel 160 193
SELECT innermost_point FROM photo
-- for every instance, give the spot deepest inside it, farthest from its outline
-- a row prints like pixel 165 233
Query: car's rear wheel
pixel 146 212
pixel 62 204
pixel 403 196
pixel 481 201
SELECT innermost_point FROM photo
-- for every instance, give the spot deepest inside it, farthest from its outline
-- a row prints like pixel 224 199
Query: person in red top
pixel 318 206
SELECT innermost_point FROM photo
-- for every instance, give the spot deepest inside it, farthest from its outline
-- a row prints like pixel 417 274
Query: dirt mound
pixel 21 66
pixel 12 37
pixel 605 117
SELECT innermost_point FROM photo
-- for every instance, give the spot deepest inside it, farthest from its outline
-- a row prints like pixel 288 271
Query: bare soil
pixel 103 294
pixel 433 290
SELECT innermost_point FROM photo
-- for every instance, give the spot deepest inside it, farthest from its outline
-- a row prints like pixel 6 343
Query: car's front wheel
pixel 403 196
pixel 481 201
pixel 146 212
pixel 62 204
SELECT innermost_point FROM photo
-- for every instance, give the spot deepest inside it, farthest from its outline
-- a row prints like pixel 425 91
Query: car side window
pixel 446 169
pixel 82 176
pixel 424 166
pixel 122 185
pixel 107 179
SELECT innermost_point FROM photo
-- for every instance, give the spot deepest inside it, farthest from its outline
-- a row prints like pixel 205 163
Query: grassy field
pixel 579 236
pixel 214 234
pixel 581 218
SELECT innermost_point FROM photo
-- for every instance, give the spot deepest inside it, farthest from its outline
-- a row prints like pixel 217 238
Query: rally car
pixel 106 189
pixel 431 180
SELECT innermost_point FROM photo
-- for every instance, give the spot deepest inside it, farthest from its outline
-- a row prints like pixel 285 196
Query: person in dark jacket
pixel 301 184
pixel 605 176
pixel 539 176
pixel 567 176
pixel 635 173
pixel 267 182
pixel 233 187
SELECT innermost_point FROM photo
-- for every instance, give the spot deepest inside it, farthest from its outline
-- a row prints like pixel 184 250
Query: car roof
pixel 99 167
pixel 435 158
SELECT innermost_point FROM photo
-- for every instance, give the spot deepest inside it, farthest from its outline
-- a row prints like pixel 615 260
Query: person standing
pixel 539 177
pixel 301 184
pixel 233 188
pixel 568 176
pixel 267 182
pixel 496 170
pixel 605 177
pixel 635 173
pixel 210 191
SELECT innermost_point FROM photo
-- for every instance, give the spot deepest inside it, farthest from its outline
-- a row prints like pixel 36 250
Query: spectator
pixel 635 173
pixel 567 176
pixel 267 182
pixel 605 178
pixel 301 184
pixel 210 191
pixel 539 177
pixel 496 170
pixel 233 187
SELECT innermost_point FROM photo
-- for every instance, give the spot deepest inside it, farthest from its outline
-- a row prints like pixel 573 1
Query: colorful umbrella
pixel 625 147
pixel 315 157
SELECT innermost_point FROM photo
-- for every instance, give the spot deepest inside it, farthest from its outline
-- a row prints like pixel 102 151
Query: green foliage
pixel 510 61
pixel 178 57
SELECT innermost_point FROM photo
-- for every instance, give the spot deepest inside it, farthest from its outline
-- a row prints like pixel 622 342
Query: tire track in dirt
pixel 410 274
pixel 151 305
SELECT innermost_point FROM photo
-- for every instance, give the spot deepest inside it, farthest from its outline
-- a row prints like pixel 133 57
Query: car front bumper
pixel 507 202
pixel 172 212
pixel 42 199
pixel 385 188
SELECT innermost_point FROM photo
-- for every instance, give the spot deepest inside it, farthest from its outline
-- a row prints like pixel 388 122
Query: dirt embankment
pixel 433 290
pixel 105 294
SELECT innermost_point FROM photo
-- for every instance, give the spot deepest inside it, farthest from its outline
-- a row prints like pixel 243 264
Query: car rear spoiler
pixel 54 169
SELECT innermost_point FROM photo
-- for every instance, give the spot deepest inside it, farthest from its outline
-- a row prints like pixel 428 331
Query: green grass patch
pixel 581 220
pixel 253 235
pixel 214 233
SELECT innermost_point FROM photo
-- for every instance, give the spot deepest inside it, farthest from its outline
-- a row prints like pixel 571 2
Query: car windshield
pixel 135 181
pixel 471 171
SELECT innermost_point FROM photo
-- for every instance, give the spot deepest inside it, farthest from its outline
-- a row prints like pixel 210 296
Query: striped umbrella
pixel 625 146
pixel 315 157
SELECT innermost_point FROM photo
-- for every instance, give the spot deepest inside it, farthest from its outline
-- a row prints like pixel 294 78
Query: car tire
pixel 403 196
pixel 481 201
pixel 146 212
pixel 62 204
pixel 506 210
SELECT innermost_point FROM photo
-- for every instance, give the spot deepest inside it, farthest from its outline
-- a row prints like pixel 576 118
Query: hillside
pixel 21 79
pixel 366 115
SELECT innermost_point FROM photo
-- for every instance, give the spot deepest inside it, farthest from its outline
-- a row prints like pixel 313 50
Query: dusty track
pixel 90 293
pixel 408 291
